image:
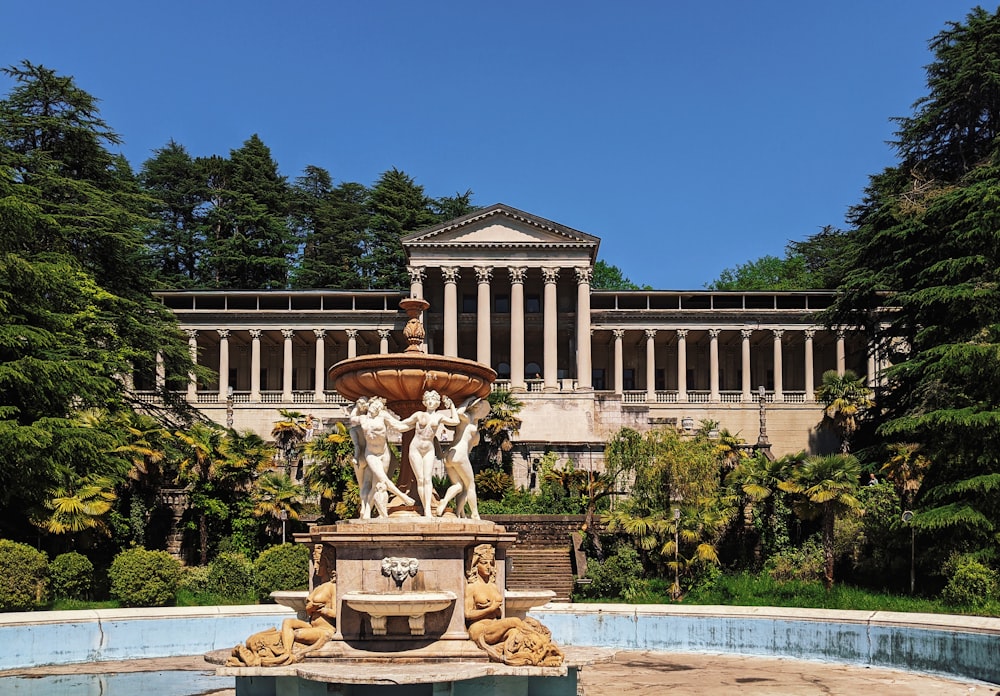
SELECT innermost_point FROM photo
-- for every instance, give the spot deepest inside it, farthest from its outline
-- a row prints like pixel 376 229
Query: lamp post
pixel 284 519
pixel 675 504
pixel 907 516
pixel 229 408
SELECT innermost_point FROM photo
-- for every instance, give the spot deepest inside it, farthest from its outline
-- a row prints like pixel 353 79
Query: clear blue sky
pixel 689 136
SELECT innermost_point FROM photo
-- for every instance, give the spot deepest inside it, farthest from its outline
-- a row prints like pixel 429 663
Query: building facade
pixel 513 291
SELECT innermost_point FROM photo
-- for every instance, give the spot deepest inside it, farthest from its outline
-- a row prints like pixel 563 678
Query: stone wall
pixel 540 531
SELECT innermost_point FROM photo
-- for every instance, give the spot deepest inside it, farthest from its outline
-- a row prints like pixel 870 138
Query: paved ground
pixel 655 674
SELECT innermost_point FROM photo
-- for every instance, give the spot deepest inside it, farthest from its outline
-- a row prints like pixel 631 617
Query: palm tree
pixel 288 433
pixel 845 399
pixel 754 482
pixel 329 471
pixel 905 469
pixel 826 486
pixel 277 498
pixel 204 464
pixel 497 430
pixel 78 505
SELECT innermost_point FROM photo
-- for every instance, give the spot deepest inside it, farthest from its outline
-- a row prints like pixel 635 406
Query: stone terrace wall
pixel 540 531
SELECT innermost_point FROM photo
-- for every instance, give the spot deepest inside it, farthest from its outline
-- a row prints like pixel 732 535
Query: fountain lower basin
pixel 413 605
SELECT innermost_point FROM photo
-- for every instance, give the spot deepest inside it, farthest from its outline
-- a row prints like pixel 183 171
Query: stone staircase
pixel 532 568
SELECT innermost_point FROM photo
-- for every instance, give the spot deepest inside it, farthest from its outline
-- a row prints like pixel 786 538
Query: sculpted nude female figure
pixel 424 447
pixel 374 477
pixel 457 463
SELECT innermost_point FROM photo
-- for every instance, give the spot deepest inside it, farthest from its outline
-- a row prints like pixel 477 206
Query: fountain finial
pixel 414 329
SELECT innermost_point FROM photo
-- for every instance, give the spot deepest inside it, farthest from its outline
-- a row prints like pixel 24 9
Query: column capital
pixel 618 333
pixel 192 334
pixel 320 334
pixel 778 333
pixel 223 334
pixel 418 274
pixel 746 334
pixel 255 334
pixel 351 333
pixel 714 333
pixel 384 334
pixel 484 274
pixel 450 274
pixel 584 275
pixel 650 333
pixel 289 334
pixel 550 275
pixel 810 334
pixel 517 274
pixel 682 334
pixel 841 333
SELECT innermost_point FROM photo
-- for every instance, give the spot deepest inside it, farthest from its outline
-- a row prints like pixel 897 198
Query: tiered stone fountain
pixel 403 604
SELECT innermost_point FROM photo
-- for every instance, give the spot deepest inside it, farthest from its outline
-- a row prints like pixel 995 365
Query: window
pixel 501 304
pixel 532 304
pixel 469 304
pixel 597 377
pixel 628 379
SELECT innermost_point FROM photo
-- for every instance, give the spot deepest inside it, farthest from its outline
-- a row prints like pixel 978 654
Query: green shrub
pixel 231 576
pixel 24 577
pixel 142 578
pixel 194 579
pixel 970 583
pixel 72 576
pixel 805 564
pixel 619 576
pixel 284 567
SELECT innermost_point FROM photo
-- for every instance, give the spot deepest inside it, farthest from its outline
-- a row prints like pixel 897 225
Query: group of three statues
pixel 370 423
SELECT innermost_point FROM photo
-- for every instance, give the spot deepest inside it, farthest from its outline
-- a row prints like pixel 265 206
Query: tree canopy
pixel 926 245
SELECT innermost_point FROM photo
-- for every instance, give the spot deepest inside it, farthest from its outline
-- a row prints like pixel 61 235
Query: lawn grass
pixel 750 590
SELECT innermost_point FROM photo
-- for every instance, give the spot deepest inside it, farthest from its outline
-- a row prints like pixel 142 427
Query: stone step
pixel 541 568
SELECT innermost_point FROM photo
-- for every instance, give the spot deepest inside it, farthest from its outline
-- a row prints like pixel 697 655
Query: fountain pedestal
pixel 373 617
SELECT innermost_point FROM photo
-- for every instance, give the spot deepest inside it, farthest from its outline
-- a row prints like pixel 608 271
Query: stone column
pixel 417 276
pixel 841 353
pixel 383 341
pixel 871 380
pixel 810 379
pixel 619 334
pixel 255 335
pixel 682 371
pixel 192 387
pixel 223 364
pixel 713 365
pixel 320 381
pixel 778 390
pixel 451 276
pixel 161 372
pixel 650 366
pixel 517 328
pixel 745 334
pixel 484 274
pixel 352 343
pixel 550 330
pixel 584 364
pixel 286 364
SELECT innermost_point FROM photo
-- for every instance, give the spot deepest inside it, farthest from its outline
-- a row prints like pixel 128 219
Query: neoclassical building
pixel 513 290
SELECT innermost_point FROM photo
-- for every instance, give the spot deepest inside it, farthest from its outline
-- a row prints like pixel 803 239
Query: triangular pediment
pixel 500 226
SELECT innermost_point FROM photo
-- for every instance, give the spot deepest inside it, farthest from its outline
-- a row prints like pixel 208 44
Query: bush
pixel 72 576
pixel 24 577
pixel 142 578
pixel 194 579
pixel 619 576
pixel 231 577
pixel 970 583
pixel 805 564
pixel 284 567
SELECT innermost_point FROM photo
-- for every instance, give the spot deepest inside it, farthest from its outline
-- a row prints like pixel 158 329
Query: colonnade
pixel 484 275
